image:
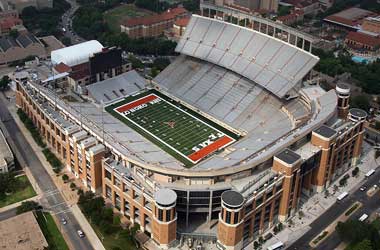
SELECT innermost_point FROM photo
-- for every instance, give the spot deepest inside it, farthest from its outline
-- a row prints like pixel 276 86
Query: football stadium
pixel 217 149
pixel 179 131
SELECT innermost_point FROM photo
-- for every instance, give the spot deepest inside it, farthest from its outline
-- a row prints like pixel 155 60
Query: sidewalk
pixel 86 227
pixel 317 204
pixel 11 206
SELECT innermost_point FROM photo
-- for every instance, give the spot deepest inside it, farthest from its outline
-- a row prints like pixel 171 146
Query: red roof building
pixel 8 23
pixel 350 19
pixel 154 25
pixel 361 41
pixel 295 16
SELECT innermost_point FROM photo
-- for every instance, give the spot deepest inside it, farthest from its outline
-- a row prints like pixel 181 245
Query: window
pixel 228 217
pixel 160 214
pixel 236 218
pixel 108 175
pixel 167 215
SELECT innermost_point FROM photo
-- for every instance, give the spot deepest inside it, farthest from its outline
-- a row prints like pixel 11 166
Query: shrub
pixel 72 185
pixel 65 178
pixel 30 126
pixel 27 206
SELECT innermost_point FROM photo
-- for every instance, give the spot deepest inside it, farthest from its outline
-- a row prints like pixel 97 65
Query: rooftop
pixel 288 156
pixel 364 39
pixel 165 197
pixel 232 198
pixel 351 17
pixel 150 20
pixel 22 232
pixel 325 131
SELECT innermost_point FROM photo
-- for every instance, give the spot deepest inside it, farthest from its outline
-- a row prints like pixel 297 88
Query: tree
pixel 14 33
pixel 355 171
pixel 363 245
pixel 361 101
pixel 66 41
pixel 160 63
pixel 8 183
pixel 27 206
pixel 4 82
pixel 65 178
pixel 355 231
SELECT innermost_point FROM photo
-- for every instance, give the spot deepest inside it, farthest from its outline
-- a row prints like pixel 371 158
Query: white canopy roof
pixel 76 54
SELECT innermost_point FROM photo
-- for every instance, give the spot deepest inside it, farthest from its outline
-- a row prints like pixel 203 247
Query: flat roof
pixel 22 232
pixel 325 131
pixel 165 197
pixel 288 156
pixel 232 198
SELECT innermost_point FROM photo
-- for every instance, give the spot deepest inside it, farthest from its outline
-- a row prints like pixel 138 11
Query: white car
pixel 80 233
pixel 64 221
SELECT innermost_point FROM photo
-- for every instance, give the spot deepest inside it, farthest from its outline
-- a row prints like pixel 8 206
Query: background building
pixel 7 162
pixel 89 62
pixel 249 5
pixel 349 19
pixel 15 49
pixel 155 25
pixel 19 5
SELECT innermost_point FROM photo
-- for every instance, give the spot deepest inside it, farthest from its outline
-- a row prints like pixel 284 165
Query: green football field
pixel 183 133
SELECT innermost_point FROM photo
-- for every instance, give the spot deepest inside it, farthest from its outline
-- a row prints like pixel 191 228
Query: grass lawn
pixel 24 191
pixel 117 15
pixel 50 230
pixel 113 241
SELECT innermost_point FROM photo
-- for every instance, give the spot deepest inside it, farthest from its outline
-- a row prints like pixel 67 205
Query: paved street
pixel 8 214
pixel 51 199
pixel 67 23
pixel 370 204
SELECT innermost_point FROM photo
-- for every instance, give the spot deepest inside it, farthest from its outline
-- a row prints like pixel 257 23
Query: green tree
pixel 360 101
pixel 66 41
pixel 363 245
pixel 4 82
pixel 65 177
pixel 27 206
pixel 8 183
pixel 14 33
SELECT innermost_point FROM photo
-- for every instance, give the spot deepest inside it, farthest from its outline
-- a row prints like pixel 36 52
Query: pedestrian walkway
pixel 14 205
pixel 313 207
pixel 86 227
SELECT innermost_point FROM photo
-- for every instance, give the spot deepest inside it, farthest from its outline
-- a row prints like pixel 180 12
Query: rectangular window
pixel 160 214
pixel 236 218
pixel 108 175
pixel 228 217
pixel 167 215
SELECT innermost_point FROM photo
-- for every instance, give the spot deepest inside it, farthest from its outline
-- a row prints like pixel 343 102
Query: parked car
pixel 363 188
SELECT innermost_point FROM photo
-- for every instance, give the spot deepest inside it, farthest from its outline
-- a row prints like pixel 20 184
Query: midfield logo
pixel 171 124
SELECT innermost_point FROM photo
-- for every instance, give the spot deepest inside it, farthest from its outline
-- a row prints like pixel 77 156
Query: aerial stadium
pixel 219 147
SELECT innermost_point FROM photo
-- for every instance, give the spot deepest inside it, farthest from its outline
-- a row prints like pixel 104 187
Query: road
pixel 370 204
pixel 52 199
pixel 8 214
pixel 66 22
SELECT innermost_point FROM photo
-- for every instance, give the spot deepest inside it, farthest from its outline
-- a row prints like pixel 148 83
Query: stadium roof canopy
pixel 273 64
pixel 76 54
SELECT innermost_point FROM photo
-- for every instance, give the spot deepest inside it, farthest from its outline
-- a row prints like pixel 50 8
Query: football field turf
pixel 181 132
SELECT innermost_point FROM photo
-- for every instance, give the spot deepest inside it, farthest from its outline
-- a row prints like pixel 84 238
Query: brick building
pixel 152 26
